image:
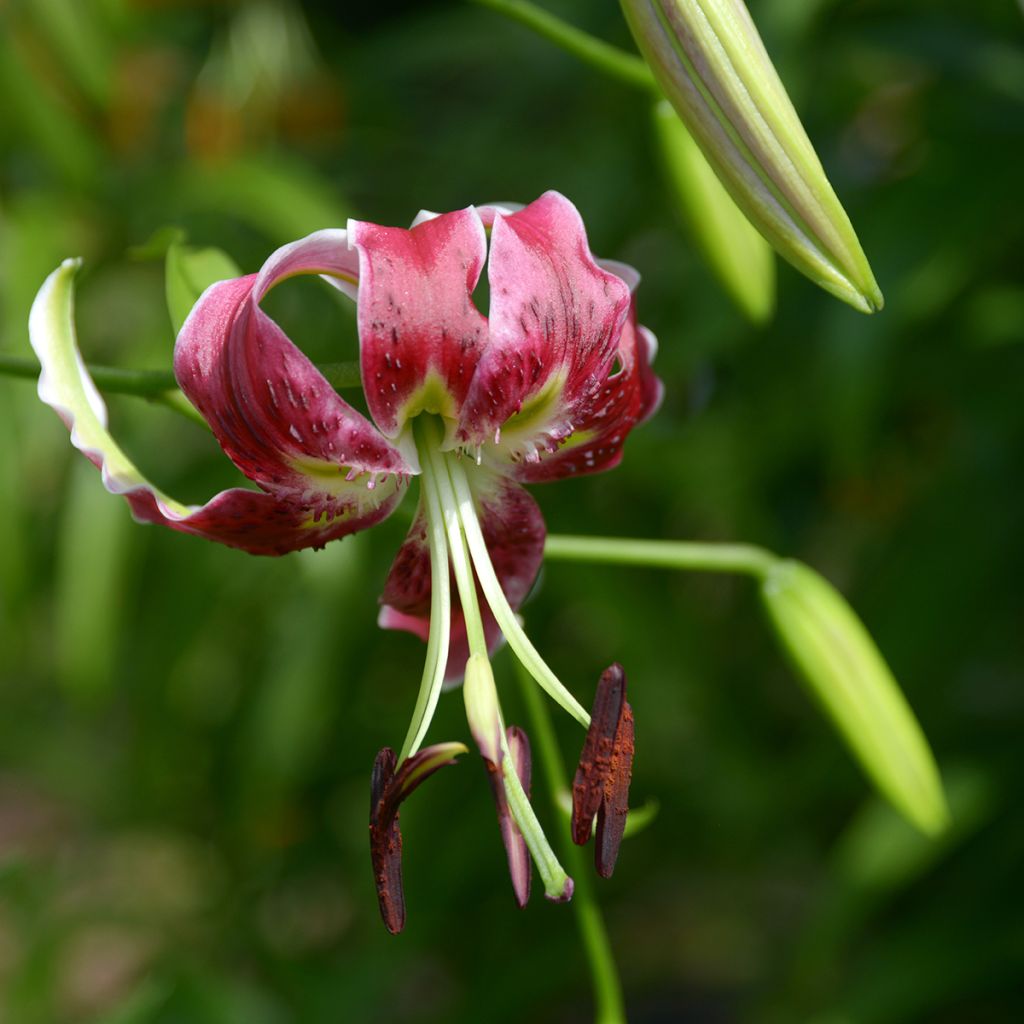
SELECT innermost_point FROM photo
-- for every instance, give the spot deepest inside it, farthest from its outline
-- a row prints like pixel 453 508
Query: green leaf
pixel 844 670
pixel 734 249
pixel 92 565
pixel 279 197
pixel 189 272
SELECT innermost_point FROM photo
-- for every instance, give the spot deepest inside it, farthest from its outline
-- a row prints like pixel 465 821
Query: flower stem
pixel 608 1002
pixel 595 52
pixel 662 554
pixel 159 385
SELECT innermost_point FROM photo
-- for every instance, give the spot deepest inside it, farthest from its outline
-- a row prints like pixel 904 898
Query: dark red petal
pixel 601 785
pixel 329 470
pixel 555 320
pixel 604 421
pixel 259 523
pixel 514 532
pixel 416 314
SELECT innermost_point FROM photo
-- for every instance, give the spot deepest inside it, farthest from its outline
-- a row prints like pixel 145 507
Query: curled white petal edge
pixel 52 336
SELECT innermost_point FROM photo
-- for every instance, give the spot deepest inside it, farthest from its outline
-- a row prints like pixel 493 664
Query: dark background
pixel 186 732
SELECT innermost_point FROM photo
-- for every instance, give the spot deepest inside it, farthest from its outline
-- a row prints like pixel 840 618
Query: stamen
pixel 386 844
pixel 392 781
pixel 438 639
pixel 506 617
pixel 558 886
pixel 506 753
pixel 601 785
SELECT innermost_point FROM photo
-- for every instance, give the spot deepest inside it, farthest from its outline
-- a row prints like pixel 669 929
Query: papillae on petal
pixel 420 335
pixel 626 398
pixel 271 409
pixel 555 319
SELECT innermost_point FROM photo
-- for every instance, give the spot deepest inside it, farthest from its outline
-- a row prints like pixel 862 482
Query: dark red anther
pixel 519 864
pixel 386 842
pixel 601 785
pixel 390 784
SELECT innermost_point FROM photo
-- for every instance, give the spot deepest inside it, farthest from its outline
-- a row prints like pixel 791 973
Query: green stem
pixel 662 554
pixel 146 383
pixel 595 52
pixel 159 385
pixel 608 1002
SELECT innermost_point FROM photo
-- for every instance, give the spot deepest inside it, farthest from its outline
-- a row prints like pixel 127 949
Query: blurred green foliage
pixel 184 754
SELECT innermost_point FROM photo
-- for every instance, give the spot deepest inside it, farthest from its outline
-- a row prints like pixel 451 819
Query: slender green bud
pixel 845 671
pixel 711 64
pixel 736 252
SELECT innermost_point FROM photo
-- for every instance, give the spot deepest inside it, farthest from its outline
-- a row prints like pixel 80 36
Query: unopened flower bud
pixel 710 62
pixel 846 673
pixel 734 249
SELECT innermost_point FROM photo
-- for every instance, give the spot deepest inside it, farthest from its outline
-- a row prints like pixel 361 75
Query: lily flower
pixel 547 385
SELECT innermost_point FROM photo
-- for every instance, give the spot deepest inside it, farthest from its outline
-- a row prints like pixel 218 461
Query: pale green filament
pixel 556 882
pixel 489 583
pixel 440 621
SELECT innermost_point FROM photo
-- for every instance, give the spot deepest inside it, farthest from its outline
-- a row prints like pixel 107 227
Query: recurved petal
pixel 420 334
pixel 555 320
pixel 514 532
pixel 254 521
pixel 275 415
pixel 324 252
pixel 626 398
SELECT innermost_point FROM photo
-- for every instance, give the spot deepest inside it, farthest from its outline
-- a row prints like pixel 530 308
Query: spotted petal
pixel 420 334
pixel 626 398
pixel 273 412
pixel 555 321
pixel 255 521
pixel 514 532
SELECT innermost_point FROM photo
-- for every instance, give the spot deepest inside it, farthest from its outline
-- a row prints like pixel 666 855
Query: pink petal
pixel 514 532
pixel 420 334
pixel 627 398
pixel 324 252
pixel 328 470
pixel 555 321
pixel 262 524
